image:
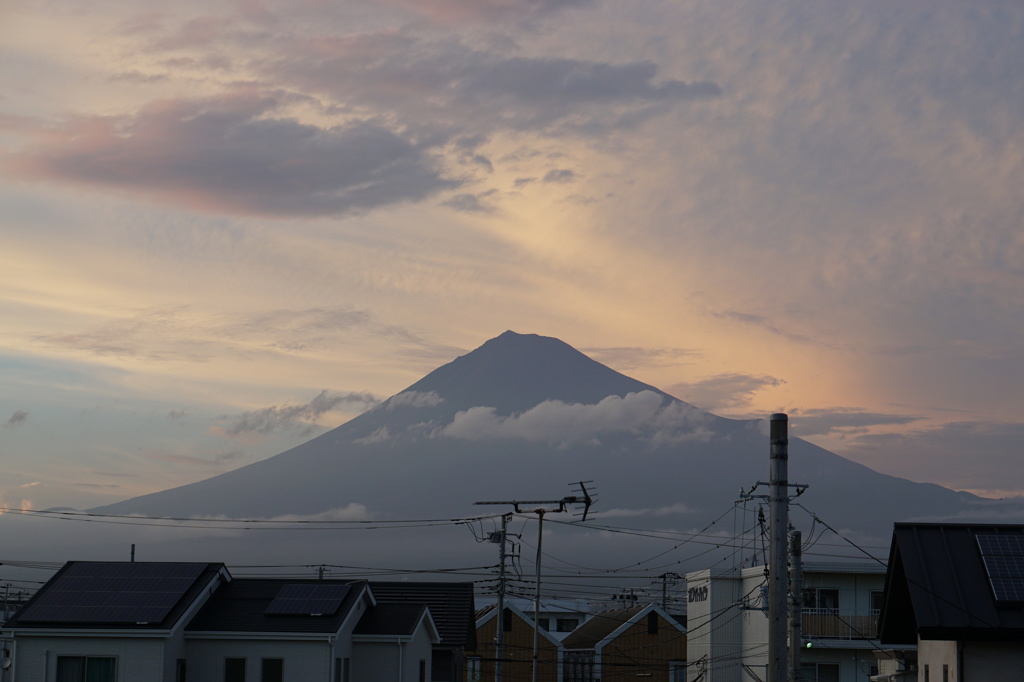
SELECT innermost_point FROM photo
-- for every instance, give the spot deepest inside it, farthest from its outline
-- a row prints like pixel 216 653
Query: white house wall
pixel 137 658
pixel 992 661
pixel 392 661
pixel 304 661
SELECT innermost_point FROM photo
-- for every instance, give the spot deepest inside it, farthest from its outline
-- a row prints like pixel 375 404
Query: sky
pixel 228 227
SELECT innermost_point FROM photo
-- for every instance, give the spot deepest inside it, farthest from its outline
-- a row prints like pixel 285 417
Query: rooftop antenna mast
pixel 540 508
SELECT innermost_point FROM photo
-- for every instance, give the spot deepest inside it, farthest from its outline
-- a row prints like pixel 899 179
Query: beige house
pixel 625 644
pixel 517 657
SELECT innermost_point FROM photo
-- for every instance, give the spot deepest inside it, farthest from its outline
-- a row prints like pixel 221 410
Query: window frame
pixel 232 675
pixel 275 676
pixel 85 658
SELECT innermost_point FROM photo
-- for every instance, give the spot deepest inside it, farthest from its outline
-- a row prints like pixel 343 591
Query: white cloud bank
pixel 554 421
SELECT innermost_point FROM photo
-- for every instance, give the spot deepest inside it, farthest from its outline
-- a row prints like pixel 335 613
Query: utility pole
pixel 667 579
pixel 796 604
pixel 563 504
pixel 778 551
pixel 499 636
pixel 778 510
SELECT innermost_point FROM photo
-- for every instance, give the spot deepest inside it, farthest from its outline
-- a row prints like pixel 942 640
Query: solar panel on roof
pixel 113 593
pixel 1003 557
pixel 307 599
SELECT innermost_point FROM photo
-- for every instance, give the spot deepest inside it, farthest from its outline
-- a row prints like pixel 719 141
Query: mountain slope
pixel 520 418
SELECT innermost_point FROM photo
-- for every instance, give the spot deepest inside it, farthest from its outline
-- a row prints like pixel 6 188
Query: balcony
pixel 833 624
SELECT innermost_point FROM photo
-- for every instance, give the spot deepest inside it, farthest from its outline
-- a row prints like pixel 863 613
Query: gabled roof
pixel 396 621
pixel 607 625
pixel 451 606
pixel 117 595
pixel 937 586
pixel 242 606
pixel 490 612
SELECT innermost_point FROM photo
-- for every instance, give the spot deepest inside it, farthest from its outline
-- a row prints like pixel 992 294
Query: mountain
pixel 521 418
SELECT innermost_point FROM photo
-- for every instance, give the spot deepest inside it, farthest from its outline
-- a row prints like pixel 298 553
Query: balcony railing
pixel 838 625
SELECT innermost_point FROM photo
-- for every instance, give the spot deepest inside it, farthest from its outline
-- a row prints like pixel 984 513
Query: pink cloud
pixel 230 154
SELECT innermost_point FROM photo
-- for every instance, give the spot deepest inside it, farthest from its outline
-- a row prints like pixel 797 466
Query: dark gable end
pixel 938 588
pixel 451 604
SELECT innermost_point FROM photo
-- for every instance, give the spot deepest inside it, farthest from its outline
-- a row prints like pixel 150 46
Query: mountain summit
pixel 521 417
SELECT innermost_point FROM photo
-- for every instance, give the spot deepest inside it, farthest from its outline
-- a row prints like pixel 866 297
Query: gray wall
pixel 137 658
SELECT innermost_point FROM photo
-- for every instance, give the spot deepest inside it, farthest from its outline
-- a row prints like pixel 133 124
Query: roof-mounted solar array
pixel 1003 556
pixel 307 599
pixel 139 593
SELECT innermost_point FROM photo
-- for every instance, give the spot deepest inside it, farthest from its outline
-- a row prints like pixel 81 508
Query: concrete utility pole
pixel 563 505
pixel 796 604
pixel 778 507
pixel 499 635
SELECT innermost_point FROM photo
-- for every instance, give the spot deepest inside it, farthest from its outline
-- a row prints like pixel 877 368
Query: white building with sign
pixel 727 623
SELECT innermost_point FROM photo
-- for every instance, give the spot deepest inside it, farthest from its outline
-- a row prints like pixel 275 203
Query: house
pixel 957 592
pixel 624 644
pixel 727 619
pixel 288 630
pixel 451 607
pixel 110 621
pixel 168 622
pixel 517 648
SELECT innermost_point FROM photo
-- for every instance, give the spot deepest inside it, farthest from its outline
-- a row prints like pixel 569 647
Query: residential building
pixel 452 609
pixel 517 648
pixel 110 621
pixel 727 617
pixel 957 592
pixel 171 622
pixel 624 644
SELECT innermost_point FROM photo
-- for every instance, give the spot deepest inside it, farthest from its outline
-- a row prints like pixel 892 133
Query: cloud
pixel 816 422
pixel 17 419
pixel 669 510
pixel 559 175
pixel 975 456
pixel 724 390
pixel 486 11
pixel 230 154
pixel 470 203
pixel 633 357
pixel 444 83
pixel 565 424
pixel 301 418
pixel 414 399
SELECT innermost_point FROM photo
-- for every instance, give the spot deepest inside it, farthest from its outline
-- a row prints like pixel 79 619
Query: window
pixel 234 670
pixel 272 670
pixel 876 602
pixel 567 624
pixel 652 623
pixel 677 671
pixel 423 670
pixel 825 599
pixel 342 670
pixel 180 673
pixel 506 620
pixel 927 674
pixel 544 623
pixel 473 669
pixel 820 672
pixel 945 673
pixel 86 669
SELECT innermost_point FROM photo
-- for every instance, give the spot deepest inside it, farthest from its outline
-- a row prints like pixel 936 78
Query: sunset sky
pixel 229 226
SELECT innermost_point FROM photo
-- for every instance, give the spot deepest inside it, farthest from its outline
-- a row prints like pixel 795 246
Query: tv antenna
pixel 540 508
